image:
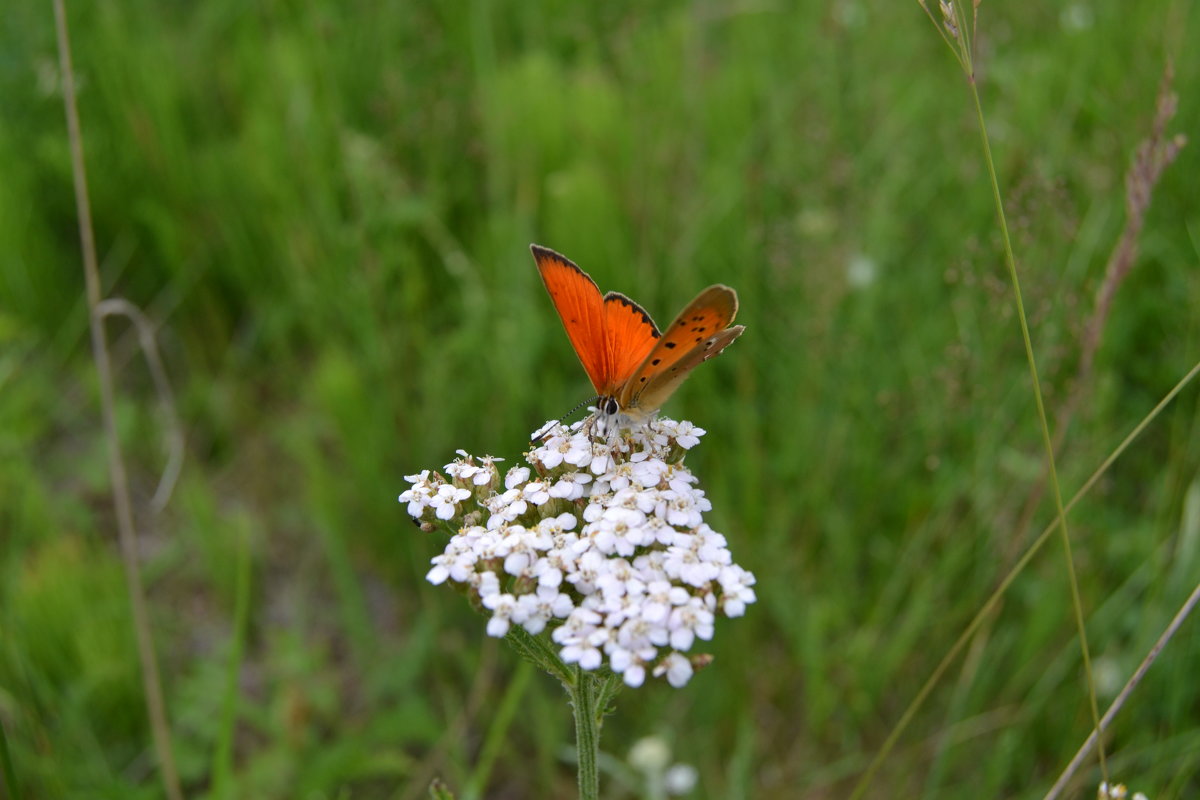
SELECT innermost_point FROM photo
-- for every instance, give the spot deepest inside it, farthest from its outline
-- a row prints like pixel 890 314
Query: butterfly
pixel 633 367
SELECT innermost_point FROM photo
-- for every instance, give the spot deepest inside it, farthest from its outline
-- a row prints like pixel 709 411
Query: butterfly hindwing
pixel 660 387
pixel 699 332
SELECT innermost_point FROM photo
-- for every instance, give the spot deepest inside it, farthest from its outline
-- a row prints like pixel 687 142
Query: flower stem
pixel 590 692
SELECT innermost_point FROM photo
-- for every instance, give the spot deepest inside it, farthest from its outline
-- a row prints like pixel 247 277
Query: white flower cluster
pixel 1116 791
pixel 599 541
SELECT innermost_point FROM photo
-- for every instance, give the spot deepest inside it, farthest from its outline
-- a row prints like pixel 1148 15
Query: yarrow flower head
pixel 598 543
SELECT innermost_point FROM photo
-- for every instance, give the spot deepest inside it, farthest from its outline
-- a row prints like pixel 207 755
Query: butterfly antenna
pixel 546 428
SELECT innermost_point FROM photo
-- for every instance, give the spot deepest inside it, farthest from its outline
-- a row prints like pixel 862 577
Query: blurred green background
pixel 325 209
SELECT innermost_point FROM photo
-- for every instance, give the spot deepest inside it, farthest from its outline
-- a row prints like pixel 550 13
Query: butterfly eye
pixel 609 406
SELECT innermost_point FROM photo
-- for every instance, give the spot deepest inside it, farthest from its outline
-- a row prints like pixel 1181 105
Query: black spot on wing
pixel 669 345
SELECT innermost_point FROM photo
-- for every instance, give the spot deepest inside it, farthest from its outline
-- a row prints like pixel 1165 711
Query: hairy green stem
pixel 590 693
pixel 1011 263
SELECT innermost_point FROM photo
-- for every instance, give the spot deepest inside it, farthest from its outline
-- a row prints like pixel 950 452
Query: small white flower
pixel 677 668
pixel 678 508
pixel 688 435
pixel 489 584
pixel 502 607
pixel 687 622
pixel 550 454
pixel 535 610
pixel 601 460
pixel 419 496
pixel 590 566
pixel 736 593
pixel 683 563
pixel 578 635
pixel 446 499
pixel 579 453
pixel 536 492
pixel 463 470
pixel 505 508
pixel 556 525
pixel 634 676
pixel 570 486
pixel 648 472
pixel 661 597
pixel 515 477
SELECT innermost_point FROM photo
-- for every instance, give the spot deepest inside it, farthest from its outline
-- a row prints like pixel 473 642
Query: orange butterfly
pixel 633 367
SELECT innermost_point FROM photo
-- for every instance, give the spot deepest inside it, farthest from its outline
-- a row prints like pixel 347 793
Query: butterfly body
pixel 633 366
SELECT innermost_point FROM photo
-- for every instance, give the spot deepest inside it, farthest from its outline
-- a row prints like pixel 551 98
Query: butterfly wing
pixel 700 331
pixel 611 334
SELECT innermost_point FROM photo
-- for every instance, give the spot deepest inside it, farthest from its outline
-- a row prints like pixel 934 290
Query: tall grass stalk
pixel 990 604
pixel 954 31
pixel 1047 439
pixel 151 681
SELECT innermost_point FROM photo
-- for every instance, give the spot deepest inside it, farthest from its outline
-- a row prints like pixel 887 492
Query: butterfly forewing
pixel 699 332
pixel 611 334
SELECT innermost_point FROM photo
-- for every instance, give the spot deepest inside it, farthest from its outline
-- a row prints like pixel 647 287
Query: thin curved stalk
pixel 151 680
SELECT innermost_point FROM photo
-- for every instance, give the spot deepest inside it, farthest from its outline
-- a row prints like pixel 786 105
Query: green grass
pixel 326 209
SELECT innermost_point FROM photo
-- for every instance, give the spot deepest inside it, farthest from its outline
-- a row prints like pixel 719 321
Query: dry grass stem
pixel 151 680
pixel 119 306
pixel 1127 690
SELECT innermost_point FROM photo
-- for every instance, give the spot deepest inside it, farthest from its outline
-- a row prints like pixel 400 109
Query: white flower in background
pixel 861 271
pixel 651 757
pixel 1116 791
pixel 680 778
pixel 600 543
